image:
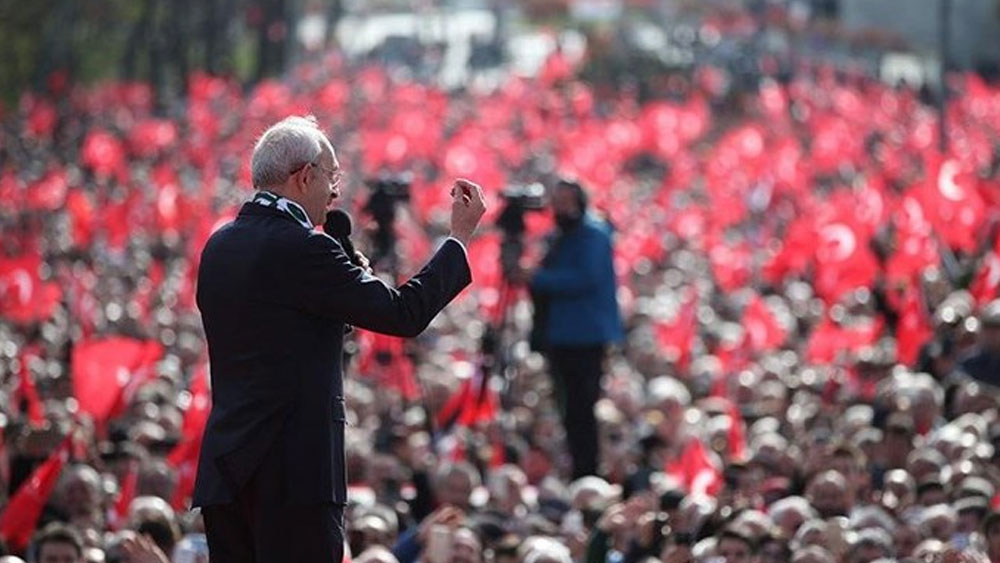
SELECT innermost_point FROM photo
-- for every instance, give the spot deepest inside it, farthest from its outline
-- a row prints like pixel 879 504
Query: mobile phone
pixel 439 545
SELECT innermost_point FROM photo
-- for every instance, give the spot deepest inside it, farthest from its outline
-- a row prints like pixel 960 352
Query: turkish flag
pixel 829 339
pixel 383 358
pixel 985 285
pixel 106 373
pixel 914 328
pixel 677 338
pixel 49 192
pixel 195 418
pixel 103 153
pixel 184 456
pixel 17 523
pixel 150 137
pixel 24 298
pixel 951 201
pixel 27 393
pixel 696 469
pixel 843 260
pixel 763 331
pixel 730 265
pixel 119 512
pixel 736 438
pixel 81 214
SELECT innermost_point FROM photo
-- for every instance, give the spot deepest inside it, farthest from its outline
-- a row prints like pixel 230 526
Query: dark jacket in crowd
pixel 275 298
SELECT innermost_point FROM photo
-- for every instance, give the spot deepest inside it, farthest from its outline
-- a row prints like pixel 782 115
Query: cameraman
pixel 575 287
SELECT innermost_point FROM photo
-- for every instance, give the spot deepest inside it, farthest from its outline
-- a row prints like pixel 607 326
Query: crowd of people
pixel 807 285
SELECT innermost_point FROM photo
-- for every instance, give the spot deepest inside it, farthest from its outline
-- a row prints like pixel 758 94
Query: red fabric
pixel 763 332
pixel 474 402
pixel 985 285
pixel 914 328
pixel 119 512
pixel 49 192
pixel 843 260
pixel 677 338
pixel 28 393
pixel 106 373
pixel 103 153
pixel 696 470
pixel 184 457
pixel 736 436
pixel 829 340
pixel 951 201
pixel 195 419
pixel 17 523
pixel 24 297
pixel 384 359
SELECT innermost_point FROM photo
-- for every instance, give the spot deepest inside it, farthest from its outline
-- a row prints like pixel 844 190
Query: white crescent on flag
pixel 838 243
pixel 946 181
pixel 18 281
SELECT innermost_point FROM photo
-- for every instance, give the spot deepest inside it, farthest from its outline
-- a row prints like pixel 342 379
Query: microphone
pixel 338 225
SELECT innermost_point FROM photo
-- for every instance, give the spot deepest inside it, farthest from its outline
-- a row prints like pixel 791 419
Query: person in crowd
pixel 576 282
pixel 58 543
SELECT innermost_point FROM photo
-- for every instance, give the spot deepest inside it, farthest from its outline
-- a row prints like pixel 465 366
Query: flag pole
pixel 944 42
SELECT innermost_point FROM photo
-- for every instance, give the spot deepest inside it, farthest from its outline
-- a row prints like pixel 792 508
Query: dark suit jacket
pixel 274 300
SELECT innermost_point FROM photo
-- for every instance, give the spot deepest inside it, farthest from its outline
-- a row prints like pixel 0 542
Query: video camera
pixel 518 200
pixel 386 192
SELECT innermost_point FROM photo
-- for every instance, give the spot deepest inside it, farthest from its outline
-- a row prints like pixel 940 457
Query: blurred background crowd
pixel 806 251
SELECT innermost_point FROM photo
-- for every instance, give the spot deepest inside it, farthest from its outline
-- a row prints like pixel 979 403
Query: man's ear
pixel 302 180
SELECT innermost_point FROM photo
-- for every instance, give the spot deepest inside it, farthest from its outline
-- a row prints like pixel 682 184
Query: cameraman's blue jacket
pixel 578 279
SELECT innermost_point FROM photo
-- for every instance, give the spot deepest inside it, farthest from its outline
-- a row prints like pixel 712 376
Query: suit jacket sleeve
pixel 326 283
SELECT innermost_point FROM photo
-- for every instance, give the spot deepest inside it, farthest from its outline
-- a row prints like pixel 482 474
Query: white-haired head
pixel 541 549
pixel 286 146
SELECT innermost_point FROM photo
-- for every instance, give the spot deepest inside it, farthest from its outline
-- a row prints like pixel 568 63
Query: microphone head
pixel 337 224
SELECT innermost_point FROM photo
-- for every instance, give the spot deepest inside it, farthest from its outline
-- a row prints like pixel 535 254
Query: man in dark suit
pixel 275 296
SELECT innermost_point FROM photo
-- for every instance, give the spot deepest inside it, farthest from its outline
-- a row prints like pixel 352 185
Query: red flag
pixel 184 456
pixel 829 339
pixel 985 285
pixel 49 192
pixel 763 332
pixel 384 358
pixel 677 338
pixel 730 265
pixel 914 328
pixel 103 153
pixel 27 392
pixel 736 437
pixel 24 297
pixel 195 418
pixel 106 373
pixel 81 214
pixel 952 204
pixel 453 408
pixel 17 523
pixel 843 261
pixel 130 483
pixel 474 402
pixel 696 469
